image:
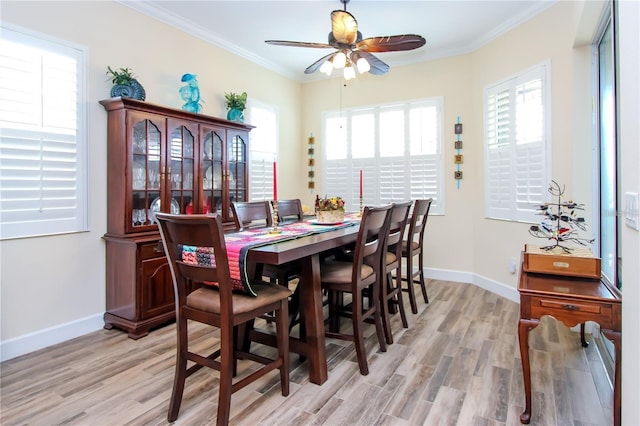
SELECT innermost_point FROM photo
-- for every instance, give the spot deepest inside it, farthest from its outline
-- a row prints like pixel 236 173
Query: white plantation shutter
pixel 42 136
pixel 516 162
pixel 262 150
pixel 261 176
pixel 398 148
pixel 425 178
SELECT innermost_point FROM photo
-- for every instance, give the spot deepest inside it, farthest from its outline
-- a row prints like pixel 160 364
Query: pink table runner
pixel 239 243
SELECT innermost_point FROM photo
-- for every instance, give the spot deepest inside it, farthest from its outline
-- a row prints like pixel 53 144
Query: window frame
pixel 512 212
pixel 380 168
pixel 79 222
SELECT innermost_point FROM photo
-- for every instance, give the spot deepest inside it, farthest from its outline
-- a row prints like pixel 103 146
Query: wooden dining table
pixel 305 250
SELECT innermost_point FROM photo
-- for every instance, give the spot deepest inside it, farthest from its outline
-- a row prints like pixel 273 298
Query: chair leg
pixel 294 309
pixel 409 280
pixel 226 375
pixel 334 307
pixel 282 335
pixel 421 272
pixel 400 299
pixel 377 317
pixel 181 370
pixel 358 339
pixel 384 304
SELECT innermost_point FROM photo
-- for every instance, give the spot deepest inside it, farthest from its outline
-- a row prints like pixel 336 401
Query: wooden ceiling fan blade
pixel 317 64
pixel 299 44
pixel 377 66
pixel 395 43
pixel 344 27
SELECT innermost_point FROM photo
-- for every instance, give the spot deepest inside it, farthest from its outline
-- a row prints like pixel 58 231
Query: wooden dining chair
pixel 196 251
pixel 391 288
pixel 289 211
pixel 254 214
pixel 413 246
pixel 251 214
pixel 353 277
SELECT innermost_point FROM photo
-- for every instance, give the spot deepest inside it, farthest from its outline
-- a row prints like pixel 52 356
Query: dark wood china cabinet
pixel 169 160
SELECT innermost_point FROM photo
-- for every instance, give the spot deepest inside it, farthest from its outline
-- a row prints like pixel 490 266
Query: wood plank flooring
pixel 458 363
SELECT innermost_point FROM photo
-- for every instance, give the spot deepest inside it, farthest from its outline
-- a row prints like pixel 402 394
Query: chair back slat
pixel 419 218
pixel 398 222
pixel 195 231
pixel 289 210
pixel 371 236
pixel 251 214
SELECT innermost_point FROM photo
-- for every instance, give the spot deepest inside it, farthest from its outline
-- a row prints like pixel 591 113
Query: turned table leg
pixel 524 326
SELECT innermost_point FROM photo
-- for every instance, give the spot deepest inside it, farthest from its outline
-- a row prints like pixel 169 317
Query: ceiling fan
pixel 352 49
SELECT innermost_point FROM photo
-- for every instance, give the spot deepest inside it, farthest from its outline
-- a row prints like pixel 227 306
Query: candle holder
pixel 360 212
pixel 275 229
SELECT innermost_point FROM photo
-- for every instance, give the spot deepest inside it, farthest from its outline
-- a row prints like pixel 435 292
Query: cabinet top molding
pixel 113 104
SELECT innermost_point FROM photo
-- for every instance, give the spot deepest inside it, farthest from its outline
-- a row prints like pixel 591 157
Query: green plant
pixel 233 100
pixel 120 76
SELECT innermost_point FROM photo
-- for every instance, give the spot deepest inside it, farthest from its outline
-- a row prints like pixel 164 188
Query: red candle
pixel 360 183
pixel 275 183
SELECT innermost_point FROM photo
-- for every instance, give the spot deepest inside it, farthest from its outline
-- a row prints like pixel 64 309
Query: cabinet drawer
pixel 151 250
pixel 572 312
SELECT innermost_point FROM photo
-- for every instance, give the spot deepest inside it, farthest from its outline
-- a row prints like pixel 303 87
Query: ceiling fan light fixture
pixel 327 67
pixel 349 73
pixel 363 65
pixel 339 60
pixel 351 49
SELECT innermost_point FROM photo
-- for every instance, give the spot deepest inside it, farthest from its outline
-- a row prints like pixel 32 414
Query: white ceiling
pixel 450 27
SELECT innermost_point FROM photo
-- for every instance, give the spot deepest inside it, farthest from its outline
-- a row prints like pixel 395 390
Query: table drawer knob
pixel 570 307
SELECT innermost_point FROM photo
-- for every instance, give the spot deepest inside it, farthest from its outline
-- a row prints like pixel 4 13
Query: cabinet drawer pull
pixel 158 248
pixel 573 307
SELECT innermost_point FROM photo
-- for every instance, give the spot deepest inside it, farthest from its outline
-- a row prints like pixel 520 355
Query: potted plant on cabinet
pixel 125 84
pixel 235 105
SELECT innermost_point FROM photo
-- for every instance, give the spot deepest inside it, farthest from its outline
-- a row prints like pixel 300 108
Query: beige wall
pixel 629 129
pixel 449 78
pixel 56 281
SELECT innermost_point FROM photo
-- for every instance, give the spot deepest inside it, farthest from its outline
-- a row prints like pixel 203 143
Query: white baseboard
pixel 488 284
pixel 50 336
pixel 21 345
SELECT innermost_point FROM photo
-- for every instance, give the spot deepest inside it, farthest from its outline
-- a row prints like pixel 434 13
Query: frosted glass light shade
pixel 339 60
pixel 363 65
pixel 349 73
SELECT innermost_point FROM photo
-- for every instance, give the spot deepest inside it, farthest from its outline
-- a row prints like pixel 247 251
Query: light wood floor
pixel 457 363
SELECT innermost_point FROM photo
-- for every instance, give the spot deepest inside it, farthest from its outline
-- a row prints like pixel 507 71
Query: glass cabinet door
pixel 180 172
pixel 237 173
pixel 212 168
pixel 145 142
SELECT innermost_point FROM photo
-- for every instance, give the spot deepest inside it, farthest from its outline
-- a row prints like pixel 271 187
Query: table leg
pixel 616 338
pixel 311 305
pixel 582 339
pixel 524 326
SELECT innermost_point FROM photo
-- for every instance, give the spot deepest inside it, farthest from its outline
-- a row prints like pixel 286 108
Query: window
pixel 609 223
pixel 516 137
pixel 398 148
pixel 43 139
pixel 263 150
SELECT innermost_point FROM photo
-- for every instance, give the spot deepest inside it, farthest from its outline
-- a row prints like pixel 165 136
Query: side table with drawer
pixel 573 301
